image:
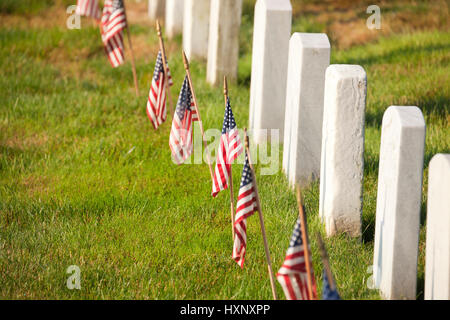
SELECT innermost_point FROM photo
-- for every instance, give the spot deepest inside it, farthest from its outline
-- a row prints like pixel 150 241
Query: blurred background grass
pixel 85 179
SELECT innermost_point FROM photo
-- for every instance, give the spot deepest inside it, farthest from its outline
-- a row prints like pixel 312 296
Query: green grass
pixel 21 6
pixel 140 227
pixel 29 7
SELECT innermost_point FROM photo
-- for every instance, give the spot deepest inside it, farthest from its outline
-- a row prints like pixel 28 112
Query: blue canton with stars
pixel 184 99
pixel 228 120
pixel 246 173
pixel 117 4
pixel 158 67
pixel 296 238
pixel 327 293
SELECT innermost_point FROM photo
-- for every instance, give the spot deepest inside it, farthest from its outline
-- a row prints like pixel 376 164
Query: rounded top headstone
pixel 405 116
pixel 443 158
pixel 311 40
pixel 280 5
pixel 343 71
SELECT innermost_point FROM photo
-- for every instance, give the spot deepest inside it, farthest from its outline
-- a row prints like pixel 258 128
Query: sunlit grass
pixel 85 180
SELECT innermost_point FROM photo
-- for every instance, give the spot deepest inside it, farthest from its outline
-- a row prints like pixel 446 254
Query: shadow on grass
pixel 423 212
pixel 368 228
pixel 24 156
pixel 368 223
pixel 401 54
pixel 420 287
pixel 24 7
pixel 436 106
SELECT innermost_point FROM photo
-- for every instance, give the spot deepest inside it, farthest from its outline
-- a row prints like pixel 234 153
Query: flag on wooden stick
pixel 230 148
pixel 292 275
pixel 188 82
pixel 248 202
pixel 245 207
pixel 327 292
pixel 156 103
pixel 180 140
pixel 88 8
pixel 113 23
pixel 165 63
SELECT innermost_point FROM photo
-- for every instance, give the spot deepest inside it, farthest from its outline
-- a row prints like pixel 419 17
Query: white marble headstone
pixel 398 202
pixel 156 9
pixel 309 57
pixel 223 41
pixel 437 258
pixel 342 156
pixel 271 32
pixel 174 17
pixel 196 28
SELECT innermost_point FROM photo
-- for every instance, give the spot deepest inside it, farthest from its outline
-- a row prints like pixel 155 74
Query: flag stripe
pixel 246 206
pixel 88 8
pixel 157 96
pixel 113 22
pixel 180 141
pixel 292 275
pixel 230 148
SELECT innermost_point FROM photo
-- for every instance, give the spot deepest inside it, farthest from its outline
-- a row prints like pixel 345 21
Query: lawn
pixel 85 179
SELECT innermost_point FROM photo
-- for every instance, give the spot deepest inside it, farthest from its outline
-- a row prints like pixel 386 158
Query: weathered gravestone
pixel 271 32
pixel 174 17
pixel 223 41
pixel 398 202
pixel 156 9
pixel 342 156
pixel 437 260
pixel 196 28
pixel 309 57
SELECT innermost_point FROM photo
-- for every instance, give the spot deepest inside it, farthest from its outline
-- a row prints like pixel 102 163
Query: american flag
pixel 113 23
pixel 88 8
pixel 230 148
pixel 180 141
pixel 292 275
pixel 246 206
pixel 327 293
pixel 156 103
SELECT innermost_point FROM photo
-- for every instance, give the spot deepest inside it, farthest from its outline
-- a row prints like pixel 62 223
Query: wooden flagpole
pixel 133 66
pixel 188 73
pixel 166 68
pixel 305 242
pixel 225 94
pixel 261 220
pixel 326 262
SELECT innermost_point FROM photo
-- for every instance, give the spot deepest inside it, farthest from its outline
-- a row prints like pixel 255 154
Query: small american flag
pixel 292 275
pixel 230 148
pixel 113 23
pixel 88 8
pixel 327 293
pixel 246 206
pixel 180 140
pixel 156 103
